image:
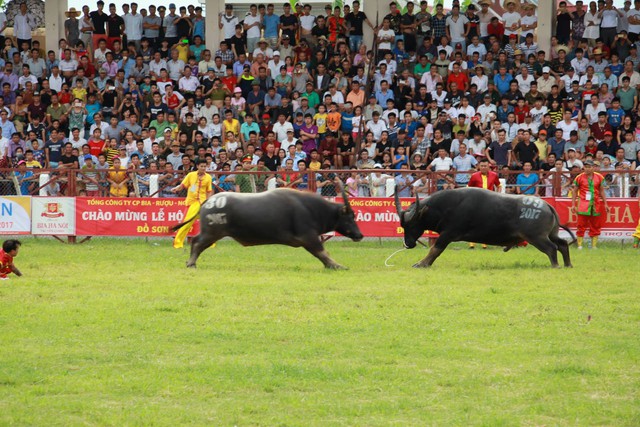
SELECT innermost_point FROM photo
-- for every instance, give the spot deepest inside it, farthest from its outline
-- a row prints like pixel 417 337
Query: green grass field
pixel 118 332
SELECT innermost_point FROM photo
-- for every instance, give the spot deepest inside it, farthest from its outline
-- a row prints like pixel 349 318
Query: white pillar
pixel 373 8
pixel 213 35
pixel 54 22
pixel 546 15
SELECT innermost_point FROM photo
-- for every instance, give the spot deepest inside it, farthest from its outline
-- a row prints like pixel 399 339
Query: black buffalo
pixel 281 217
pixel 482 216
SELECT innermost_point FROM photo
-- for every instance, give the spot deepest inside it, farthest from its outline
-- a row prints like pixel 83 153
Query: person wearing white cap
pixel 275 64
pixel 546 81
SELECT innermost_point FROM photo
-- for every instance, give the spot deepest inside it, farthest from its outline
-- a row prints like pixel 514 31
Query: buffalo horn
pixel 398 206
pixel 345 198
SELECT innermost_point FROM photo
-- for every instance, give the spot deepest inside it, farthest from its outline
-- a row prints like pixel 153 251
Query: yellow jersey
pixel 197 187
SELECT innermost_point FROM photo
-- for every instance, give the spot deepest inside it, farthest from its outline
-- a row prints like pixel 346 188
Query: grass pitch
pixel 118 332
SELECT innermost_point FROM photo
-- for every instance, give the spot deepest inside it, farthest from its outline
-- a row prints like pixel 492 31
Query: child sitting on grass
pixel 8 252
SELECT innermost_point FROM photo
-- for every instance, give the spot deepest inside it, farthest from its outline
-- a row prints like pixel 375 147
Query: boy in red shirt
pixel 7 253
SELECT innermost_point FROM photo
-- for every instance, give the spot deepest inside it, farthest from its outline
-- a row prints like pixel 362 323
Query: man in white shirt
pixel 442 163
pixel 511 19
pixel 209 110
pixel 567 125
pixel 252 25
pixel 568 78
pixel 281 127
pixel 275 64
pixel 175 66
pixel 486 108
pixel 156 65
pixel 524 80
pixel 456 27
pixel 376 126
pixel 133 25
pixel 592 110
pixel 188 83
pixel 55 79
pixel 538 111
pixel 633 18
pixel 23 24
pixel 227 22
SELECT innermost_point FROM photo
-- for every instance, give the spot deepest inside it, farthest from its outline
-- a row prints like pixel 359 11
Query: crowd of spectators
pixel 291 90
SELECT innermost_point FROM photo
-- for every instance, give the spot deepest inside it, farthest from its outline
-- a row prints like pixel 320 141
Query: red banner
pixel 377 217
pixel 621 220
pixel 129 216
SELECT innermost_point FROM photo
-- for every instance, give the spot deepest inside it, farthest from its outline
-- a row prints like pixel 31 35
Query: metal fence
pixel 327 182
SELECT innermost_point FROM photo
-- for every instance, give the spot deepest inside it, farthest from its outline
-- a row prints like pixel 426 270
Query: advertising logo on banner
pixel 53 216
pixel 377 217
pixel 129 216
pixel 15 215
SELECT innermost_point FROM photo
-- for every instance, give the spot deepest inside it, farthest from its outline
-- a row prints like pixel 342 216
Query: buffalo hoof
pixel 420 265
pixel 568 266
pixel 336 267
pixel 191 265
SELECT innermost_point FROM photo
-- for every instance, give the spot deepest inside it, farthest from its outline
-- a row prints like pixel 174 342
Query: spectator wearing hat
pixel 511 19
pixel 170 27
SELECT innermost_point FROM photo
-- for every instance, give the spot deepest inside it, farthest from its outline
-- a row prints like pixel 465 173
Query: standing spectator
pixel 271 23
pixel 609 16
pixel 3 26
pixel 356 19
pixel 457 27
pixel 99 21
pixel 227 22
pixel 133 25
pixel 23 24
pixel 252 26
pixel 589 203
pixel 439 23
pixel 184 26
pixel 169 24
pixel 511 19
pixel 72 27
pixel 115 27
pixel 151 26
pixel 563 22
pixel 289 24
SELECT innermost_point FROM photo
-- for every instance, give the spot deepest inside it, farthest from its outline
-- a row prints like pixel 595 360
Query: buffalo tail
pixel 178 226
pixel 568 230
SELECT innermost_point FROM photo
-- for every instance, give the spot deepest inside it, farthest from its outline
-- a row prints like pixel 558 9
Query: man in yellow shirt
pixel 199 187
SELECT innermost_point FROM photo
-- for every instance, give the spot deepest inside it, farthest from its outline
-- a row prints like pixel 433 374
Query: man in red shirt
pixel 590 203
pixel 459 78
pixel 484 178
pixel 8 252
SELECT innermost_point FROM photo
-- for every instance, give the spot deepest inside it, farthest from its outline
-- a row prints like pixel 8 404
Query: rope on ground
pixel 386 262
